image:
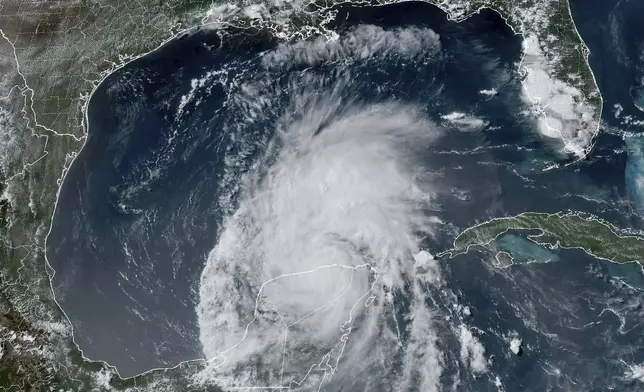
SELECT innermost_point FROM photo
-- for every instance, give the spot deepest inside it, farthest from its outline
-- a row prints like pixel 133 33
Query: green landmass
pixel 563 230
pixel 547 18
pixel 53 53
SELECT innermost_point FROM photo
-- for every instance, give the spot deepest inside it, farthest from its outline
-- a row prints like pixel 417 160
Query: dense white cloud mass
pixel 472 351
pixel 330 222
pixel 515 345
pixel 561 109
pixel 328 228
pixel 363 42
pixel 635 372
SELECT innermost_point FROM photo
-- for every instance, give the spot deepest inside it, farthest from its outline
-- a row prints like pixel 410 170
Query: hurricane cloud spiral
pixel 328 228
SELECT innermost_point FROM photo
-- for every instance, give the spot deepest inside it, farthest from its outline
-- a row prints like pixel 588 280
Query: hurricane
pixel 370 205
pixel 328 230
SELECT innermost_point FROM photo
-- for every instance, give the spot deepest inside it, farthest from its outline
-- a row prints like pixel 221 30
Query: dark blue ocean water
pixel 614 33
pixel 141 206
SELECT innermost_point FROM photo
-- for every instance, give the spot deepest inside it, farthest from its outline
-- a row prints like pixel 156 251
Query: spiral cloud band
pixel 328 228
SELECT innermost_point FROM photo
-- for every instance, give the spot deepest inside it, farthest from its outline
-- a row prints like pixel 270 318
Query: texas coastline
pixel 93 101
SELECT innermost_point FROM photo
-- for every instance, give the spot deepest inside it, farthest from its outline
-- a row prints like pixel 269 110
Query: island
pixel 54 54
pixel 560 230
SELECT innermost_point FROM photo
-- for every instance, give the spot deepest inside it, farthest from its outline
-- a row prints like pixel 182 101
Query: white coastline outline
pixel 85 125
pixel 131 58
pixel 586 54
pixel 454 251
pixel 344 327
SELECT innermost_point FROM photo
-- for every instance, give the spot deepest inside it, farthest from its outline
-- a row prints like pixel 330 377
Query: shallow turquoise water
pixel 639 99
pixel 634 171
pixel 525 251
